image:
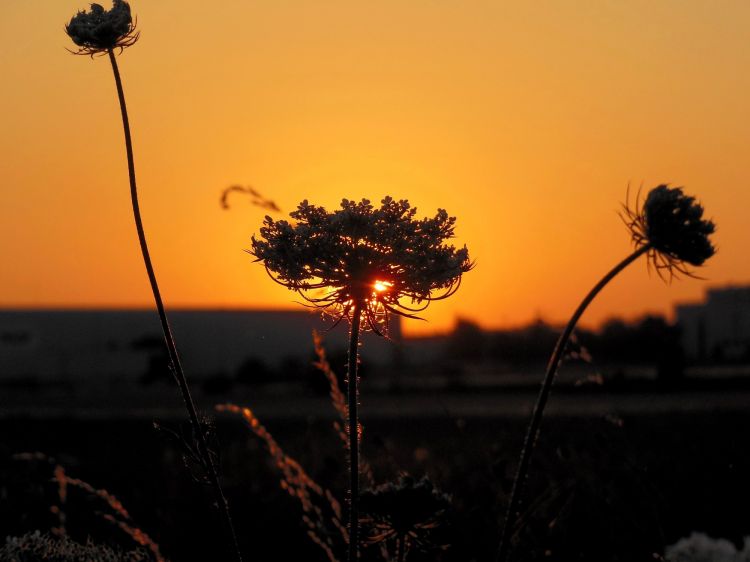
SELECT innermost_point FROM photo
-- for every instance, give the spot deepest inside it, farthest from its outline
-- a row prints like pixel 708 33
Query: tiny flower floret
pixel 99 30
pixel 364 255
pixel 672 225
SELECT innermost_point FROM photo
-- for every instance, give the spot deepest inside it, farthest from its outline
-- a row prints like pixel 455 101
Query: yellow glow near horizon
pixel 526 121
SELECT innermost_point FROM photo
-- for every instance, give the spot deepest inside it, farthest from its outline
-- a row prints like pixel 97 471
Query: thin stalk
pixel 400 556
pixel 353 434
pixel 168 338
pixel 536 418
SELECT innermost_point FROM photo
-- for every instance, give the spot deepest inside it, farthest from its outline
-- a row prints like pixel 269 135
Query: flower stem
pixel 536 419
pixel 353 434
pixel 400 554
pixel 174 358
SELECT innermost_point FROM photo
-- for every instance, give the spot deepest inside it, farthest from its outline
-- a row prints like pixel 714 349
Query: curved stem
pixel 536 418
pixel 353 434
pixel 168 338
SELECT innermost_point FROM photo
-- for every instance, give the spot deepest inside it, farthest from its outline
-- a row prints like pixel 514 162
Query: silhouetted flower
pixel 672 225
pixel 359 254
pixel 99 30
pixel 408 511
pixel 670 230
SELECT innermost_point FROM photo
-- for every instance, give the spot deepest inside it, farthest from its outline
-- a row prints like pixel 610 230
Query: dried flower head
pixel 408 510
pixel 366 256
pixel 99 30
pixel 672 225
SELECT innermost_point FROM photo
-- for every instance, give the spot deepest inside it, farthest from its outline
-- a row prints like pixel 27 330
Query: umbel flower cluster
pixel 672 225
pixel 408 510
pixel 365 257
pixel 100 30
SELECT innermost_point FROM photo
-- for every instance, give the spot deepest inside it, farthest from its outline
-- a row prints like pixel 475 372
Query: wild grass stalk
pixel 670 230
pixel 115 513
pixel 98 32
pixel 321 511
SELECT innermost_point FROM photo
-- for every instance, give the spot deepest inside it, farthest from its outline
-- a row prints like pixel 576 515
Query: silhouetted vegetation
pixel 650 340
pixel 603 487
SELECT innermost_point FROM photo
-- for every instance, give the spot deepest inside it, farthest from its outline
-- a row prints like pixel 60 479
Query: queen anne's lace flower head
pixel 99 30
pixel 408 509
pixel 376 257
pixel 672 225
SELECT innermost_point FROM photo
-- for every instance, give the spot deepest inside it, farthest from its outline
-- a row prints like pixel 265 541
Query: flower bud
pixel 672 225
pixel 99 30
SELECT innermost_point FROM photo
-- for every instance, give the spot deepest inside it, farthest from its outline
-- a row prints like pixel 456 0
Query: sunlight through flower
pixel 361 254
pixel 361 261
pixel 381 286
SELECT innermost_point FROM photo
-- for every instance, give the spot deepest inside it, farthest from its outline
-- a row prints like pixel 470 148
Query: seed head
pixel 672 224
pixel 360 254
pixel 100 30
pixel 408 509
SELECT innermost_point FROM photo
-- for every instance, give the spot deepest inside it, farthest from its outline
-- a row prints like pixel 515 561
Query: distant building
pixel 74 344
pixel 717 329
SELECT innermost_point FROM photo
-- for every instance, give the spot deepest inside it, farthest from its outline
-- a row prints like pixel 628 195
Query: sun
pixel 382 286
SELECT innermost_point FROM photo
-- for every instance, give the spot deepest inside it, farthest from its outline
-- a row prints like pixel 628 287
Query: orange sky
pixel 525 120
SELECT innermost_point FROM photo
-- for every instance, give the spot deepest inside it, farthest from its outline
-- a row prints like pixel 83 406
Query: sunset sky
pixel 525 120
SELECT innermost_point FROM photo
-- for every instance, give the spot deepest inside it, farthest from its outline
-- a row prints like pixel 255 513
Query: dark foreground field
pixel 602 487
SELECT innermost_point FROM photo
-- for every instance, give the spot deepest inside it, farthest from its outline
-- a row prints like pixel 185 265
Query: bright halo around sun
pixel 382 286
